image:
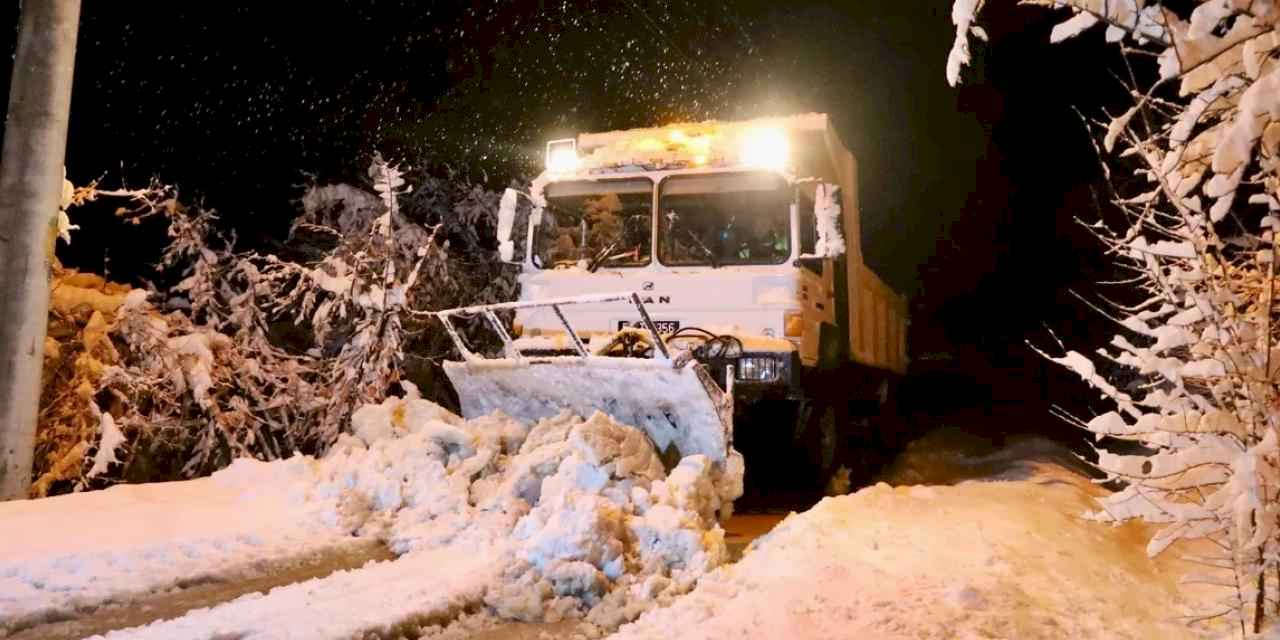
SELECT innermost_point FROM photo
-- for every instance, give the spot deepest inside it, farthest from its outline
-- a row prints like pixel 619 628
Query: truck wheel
pixel 889 426
pixel 823 442
pixel 757 439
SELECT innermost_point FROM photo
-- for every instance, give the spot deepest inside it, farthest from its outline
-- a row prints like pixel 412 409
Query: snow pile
pixel 950 456
pixel 997 558
pixel 611 548
pixel 675 406
pixel 568 518
pixel 582 510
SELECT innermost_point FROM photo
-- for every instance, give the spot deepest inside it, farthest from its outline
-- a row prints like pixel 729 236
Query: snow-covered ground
pixel 78 551
pixel 1002 553
pixel 568 518
pixel 419 589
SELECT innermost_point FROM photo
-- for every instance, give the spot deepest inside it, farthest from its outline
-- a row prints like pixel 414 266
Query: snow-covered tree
pixel 256 354
pixel 1199 239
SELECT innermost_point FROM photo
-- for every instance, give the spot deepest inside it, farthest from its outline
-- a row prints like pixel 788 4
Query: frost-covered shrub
pixel 259 355
pixel 1198 236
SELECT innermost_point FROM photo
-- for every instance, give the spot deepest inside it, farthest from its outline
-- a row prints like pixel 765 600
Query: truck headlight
pixel 562 156
pixel 757 368
pixel 765 148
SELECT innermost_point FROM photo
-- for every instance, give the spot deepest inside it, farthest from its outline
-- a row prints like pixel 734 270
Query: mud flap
pixel 682 409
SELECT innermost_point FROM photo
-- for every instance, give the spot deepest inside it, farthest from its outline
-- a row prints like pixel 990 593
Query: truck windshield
pixel 724 219
pixel 607 223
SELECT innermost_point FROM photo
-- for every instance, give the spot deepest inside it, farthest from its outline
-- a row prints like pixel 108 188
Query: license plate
pixel 665 327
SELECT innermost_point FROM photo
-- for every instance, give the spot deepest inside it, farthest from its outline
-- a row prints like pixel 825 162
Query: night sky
pixel 969 195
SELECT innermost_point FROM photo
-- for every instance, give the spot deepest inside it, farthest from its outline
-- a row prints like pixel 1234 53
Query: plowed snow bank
pixel 568 518
pixel 1007 557
pixel 950 456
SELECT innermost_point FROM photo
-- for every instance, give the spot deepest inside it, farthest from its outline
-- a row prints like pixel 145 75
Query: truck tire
pixel 757 436
pixel 822 444
pixel 890 428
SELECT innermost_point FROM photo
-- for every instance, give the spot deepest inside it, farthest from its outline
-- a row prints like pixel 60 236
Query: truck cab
pixel 742 240
pixel 712 250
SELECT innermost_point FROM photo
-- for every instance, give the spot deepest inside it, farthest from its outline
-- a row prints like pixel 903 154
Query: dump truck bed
pixel 877 315
pixel 878 327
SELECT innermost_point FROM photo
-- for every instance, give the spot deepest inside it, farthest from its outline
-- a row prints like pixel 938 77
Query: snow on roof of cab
pixel 797 122
pixel 693 144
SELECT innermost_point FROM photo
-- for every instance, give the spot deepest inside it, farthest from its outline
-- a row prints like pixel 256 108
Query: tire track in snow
pixel 153 607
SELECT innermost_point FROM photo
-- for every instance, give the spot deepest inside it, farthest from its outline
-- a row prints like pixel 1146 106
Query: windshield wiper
pixel 711 255
pixel 602 257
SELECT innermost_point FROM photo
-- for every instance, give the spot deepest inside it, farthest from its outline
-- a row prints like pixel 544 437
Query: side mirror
pixel 826 213
pixel 826 217
pixel 506 219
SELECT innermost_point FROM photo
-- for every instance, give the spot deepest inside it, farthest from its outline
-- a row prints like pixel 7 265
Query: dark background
pixel 969 195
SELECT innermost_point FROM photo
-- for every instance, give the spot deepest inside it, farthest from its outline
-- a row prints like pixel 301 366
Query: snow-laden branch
pixel 1194 374
pixel 259 355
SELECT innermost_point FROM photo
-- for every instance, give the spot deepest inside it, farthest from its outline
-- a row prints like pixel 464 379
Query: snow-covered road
pixel 982 560
pixel 971 544
pixel 569 518
pixel 740 531
pixel 404 596
pixel 72 553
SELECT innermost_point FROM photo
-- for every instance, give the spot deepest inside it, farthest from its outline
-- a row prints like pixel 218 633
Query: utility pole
pixel 31 173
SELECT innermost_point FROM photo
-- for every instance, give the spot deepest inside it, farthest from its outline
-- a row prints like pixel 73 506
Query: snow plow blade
pixel 679 405
pixel 680 409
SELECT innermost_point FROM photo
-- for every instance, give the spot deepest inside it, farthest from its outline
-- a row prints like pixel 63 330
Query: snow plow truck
pixel 703 282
